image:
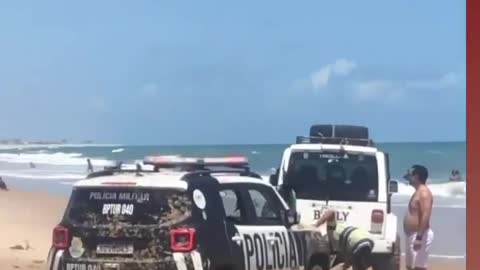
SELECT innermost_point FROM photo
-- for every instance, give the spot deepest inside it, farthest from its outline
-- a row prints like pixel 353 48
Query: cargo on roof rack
pixel 339 131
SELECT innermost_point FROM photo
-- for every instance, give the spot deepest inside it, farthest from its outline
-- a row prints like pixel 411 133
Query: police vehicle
pixel 339 167
pixel 182 214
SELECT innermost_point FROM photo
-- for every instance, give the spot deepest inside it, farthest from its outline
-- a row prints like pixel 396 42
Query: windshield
pixel 100 206
pixel 333 176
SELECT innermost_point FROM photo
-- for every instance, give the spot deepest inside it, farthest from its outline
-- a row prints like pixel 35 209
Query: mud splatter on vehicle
pixel 130 226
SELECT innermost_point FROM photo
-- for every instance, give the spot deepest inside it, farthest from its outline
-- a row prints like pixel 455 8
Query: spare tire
pixel 321 131
pixel 352 132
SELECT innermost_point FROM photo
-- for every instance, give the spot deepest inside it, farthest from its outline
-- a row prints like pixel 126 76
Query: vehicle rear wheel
pixel 319 263
pixel 388 261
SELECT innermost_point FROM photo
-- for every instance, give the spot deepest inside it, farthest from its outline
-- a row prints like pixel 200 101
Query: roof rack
pixel 334 140
pixel 241 172
pixel 191 165
pixel 110 170
pixel 247 173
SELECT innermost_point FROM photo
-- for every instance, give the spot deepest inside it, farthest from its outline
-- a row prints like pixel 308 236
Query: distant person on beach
pixel 456 176
pixel 416 224
pixel 32 165
pixel 89 166
pixel 3 186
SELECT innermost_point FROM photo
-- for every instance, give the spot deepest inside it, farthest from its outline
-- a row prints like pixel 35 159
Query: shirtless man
pixel 416 224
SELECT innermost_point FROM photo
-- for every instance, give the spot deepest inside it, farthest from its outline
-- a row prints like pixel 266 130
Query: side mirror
pixel 393 186
pixel 292 217
pixel 274 178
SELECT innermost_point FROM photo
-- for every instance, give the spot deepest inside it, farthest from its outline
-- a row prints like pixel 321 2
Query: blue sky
pixel 174 72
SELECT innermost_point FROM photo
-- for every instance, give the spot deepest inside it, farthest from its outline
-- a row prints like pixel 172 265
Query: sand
pixel 28 218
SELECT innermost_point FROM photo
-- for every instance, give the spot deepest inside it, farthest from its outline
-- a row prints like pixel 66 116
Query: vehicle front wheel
pixel 388 261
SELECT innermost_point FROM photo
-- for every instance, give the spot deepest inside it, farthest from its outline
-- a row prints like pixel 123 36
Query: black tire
pixel 319 262
pixel 388 261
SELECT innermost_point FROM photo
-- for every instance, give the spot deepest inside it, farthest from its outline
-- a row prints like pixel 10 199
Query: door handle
pixel 237 239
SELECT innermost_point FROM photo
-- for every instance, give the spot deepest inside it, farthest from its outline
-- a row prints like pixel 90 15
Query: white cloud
pixel 379 90
pixel 149 90
pixel 448 80
pixel 98 104
pixel 341 67
pixel 388 90
pixel 321 77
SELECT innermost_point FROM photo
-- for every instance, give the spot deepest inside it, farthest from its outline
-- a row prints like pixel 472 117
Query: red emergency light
pixel 228 161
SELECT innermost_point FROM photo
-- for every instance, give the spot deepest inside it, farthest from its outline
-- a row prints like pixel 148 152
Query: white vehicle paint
pixel 371 213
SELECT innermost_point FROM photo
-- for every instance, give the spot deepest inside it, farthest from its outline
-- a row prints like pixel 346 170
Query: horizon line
pixel 275 143
pixel 101 144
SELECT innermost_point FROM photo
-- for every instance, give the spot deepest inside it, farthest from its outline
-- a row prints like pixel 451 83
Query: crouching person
pixel 353 244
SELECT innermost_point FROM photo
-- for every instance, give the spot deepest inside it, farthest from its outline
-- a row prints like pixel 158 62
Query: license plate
pixel 117 249
pixel 86 266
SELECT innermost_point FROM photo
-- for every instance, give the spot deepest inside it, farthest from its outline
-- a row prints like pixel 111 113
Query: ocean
pixel 58 167
pixel 67 163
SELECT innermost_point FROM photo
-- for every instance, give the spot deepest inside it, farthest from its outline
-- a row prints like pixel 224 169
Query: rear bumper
pixel 382 246
pixel 117 265
pixel 59 260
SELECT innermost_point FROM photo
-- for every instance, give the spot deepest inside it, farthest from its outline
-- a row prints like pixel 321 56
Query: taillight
pixel 377 221
pixel 182 239
pixel 61 237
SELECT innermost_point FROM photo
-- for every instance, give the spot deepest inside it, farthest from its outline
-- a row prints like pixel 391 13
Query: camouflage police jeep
pixel 182 215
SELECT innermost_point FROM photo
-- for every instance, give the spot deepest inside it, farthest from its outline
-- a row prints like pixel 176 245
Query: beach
pixel 26 223
pixel 28 217
pixel 36 201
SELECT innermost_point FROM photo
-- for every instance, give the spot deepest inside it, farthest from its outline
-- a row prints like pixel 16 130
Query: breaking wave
pixel 58 158
pixel 450 189
pixel 40 176
pixel 70 166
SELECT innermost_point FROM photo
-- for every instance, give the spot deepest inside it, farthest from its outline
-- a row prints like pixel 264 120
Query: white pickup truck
pixel 339 167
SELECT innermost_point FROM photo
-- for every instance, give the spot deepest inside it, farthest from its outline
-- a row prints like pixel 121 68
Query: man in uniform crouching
pixel 353 244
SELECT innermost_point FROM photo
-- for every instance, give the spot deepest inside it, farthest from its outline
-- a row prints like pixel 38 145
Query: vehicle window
pixel 333 176
pixel 232 205
pixel 265 206
pixel 99 206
